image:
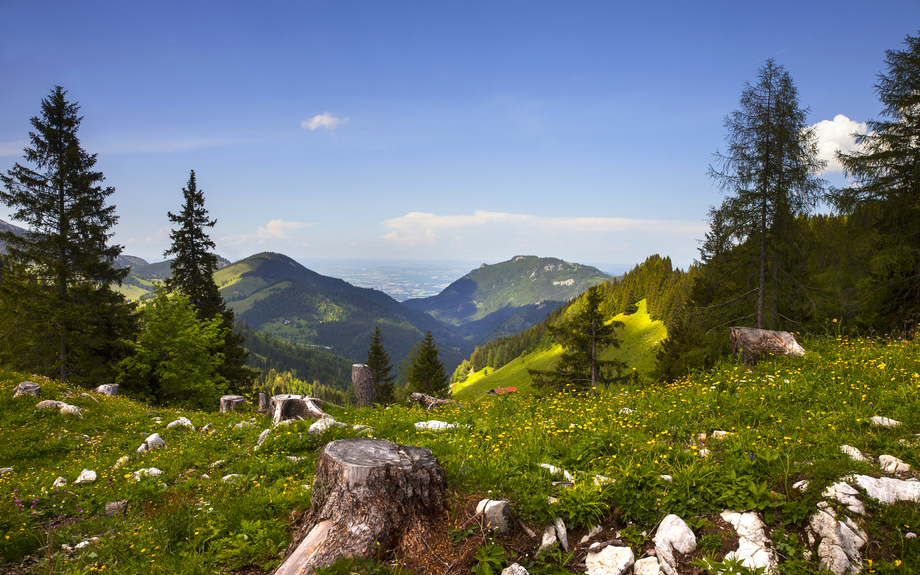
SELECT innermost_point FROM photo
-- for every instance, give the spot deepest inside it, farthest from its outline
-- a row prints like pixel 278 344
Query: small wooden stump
pixel 110 389
pixel 363 380
pixel 285 406
pixel 229 402
pixel 428 401
pixel 263 403
pixel 369 496
pixel 750 344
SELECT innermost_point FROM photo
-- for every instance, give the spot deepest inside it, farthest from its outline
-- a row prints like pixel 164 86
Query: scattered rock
pixel 5 470
pixel 142 473
pixel 891 464
pixel 853 453
pixel 626 411
pixel 59 482
pixel 217 463
pixel 514 569
pixel 801 485
pixel 121 461
pixel 433 425
pixel 244 425
pixel 845 494
pixel 110 389
pixel 721 435
pixel 887 490
pixel 553 470
pixel 610 561
pixel 153 441
pixel 495 514
pixel 229 478
pixel 67 409
pixel 601 480
pixel 879 421
pixel 113 508
pixel 64 408
pixel 546 540
pixel 595 530
pixel 27 388
pixel 86 476
pixel 208 428
pixel 647 566
pixel 673 535
pixel 262 437
pixel 322 424
pixel 182 421
pixel 562 534
pixel 839 541
pixel 754 549
pixel 87 543
pixel 296 458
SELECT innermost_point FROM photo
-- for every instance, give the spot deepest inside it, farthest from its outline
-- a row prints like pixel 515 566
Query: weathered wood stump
pixel 428 401
pixel 369 496
pixel 750 344
pixel 229 402
pixel 263 403
pixel 110 389
pixel 363 380
pixel 285 406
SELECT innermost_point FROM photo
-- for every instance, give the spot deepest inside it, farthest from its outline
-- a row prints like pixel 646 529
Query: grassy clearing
pixel 786 420
pixel 639 340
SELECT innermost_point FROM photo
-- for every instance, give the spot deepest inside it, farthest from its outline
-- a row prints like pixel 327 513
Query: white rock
pixel 891 464
pixel 205 476
pixel 562 534
pixel 67 409
pixel 295 458
pixel 610 561
pixel 182 421
pixel 667 478
pixel 601 480
pixel 217 463
pixel 85 544
pixel 495 514
pixel 262 437
pixel 801 485
pixel 5 470
pixel 547 539
pixel 154 441
pixel 59 482
pixel 145 472
pixel 514 569
pixel 673 535
pixel 244 425
pixel 888 490
pixel 433 425
pixel 229 478
pixel 754 549
pixel 853 453
pixel 647 566
pixel 86 476
pixel 879 421
pixel 704 452
pixel 627 411
pixel 27 388
pixel 840 542
pixel 49 404
pixel 324 423
pixel 720 435
pixel 845 494
pixel 121 461
pixel 553 470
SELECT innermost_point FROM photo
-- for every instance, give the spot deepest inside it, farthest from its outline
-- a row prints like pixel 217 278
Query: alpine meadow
pixel 754 412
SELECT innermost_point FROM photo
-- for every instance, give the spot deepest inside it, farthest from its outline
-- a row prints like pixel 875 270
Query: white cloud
pixel 327 120
pixel 274 230
pixel 837 134
pixel 12 148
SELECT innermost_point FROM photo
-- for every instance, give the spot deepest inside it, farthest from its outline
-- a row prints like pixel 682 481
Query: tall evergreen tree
pixel 770 171
pixel 60 275
pixel 378 360
pixel 886 186
pixel 193 274
pixel 426 374
pixel 584 338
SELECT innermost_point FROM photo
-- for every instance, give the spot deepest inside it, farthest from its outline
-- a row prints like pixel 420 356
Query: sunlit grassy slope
pixel 639 337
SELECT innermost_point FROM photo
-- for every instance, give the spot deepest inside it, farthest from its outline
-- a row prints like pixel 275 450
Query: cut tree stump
pixel 750 344
pixel 229 402
pixel 363 380
pixel 369 497
pixel 284 407
pixel 428 401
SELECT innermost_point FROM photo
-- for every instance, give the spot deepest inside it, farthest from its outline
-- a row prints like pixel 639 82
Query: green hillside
pixel 487 297
pixel 639 337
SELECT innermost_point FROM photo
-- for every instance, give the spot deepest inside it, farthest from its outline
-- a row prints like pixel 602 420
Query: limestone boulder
pixel 27 388
pixel 610 561
pixel 673 536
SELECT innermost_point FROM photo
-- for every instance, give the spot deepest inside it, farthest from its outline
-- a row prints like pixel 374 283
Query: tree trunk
pixel 369 497
pixel 750 344
pixel 363 380
pixel 284 407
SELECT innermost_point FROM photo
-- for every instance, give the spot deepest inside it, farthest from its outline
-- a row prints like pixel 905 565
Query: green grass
pixel 787 418
pixel 639 337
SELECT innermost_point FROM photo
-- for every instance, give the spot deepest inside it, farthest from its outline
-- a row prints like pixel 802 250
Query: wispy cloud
pixel 12 148
pixel 274 230
pixel 834 135
pixel 327 120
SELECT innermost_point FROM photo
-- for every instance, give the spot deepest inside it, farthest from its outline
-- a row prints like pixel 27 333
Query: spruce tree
pixel 584 338
pixel 378 360
pixel 426 374
pixel 886 188
pixel 193 274
pixel 58 282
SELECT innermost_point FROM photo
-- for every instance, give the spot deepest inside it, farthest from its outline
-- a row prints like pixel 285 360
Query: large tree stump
pixel 750 344
pixel 363 380
pixel 285 406
pixel 229 402
pixel 369 496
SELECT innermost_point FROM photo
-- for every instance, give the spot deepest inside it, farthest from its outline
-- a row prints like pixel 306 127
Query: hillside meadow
pixel 786 420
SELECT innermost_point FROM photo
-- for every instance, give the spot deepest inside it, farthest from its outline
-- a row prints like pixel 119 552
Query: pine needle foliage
pixel 378 360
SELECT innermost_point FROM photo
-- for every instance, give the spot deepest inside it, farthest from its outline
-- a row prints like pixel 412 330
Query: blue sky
pixel 430 130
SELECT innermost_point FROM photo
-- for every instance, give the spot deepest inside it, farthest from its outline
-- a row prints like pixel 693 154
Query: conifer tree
pixel 193 274
pixel 58 282
pixel 378 360
pixel 886 186
pixel 584 337
pixel 426 374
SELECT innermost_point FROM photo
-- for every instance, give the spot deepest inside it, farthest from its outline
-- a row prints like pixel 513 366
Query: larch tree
pixel 59 276
pixel 378 360
pixel 584 337
pixel 193 274
pixel 769 172
pixel 885 171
